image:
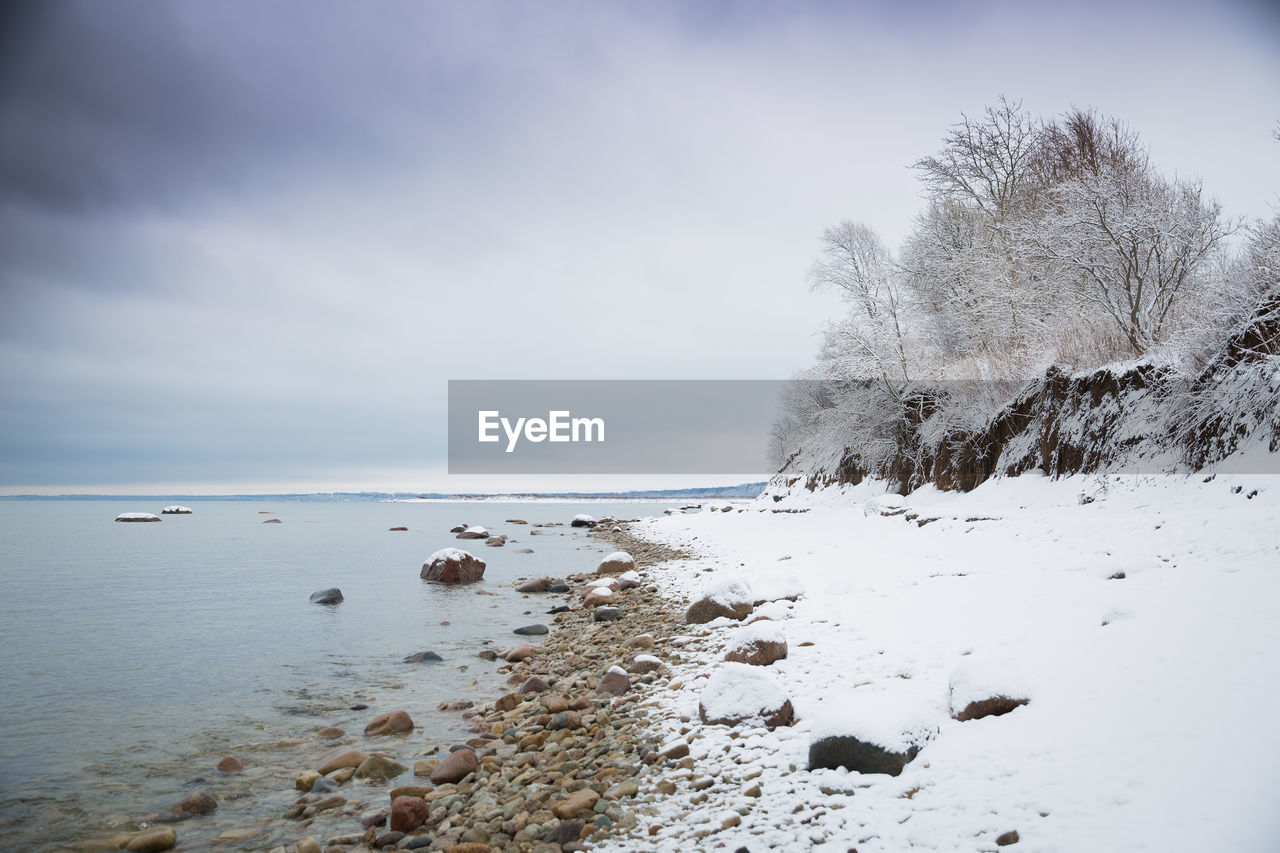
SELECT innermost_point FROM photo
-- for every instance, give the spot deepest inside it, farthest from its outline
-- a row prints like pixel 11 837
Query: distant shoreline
pixel 742 491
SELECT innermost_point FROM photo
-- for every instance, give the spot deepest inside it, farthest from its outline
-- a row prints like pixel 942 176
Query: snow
pixel 974 681
pixel 740 690
pixel 483 531
pixel 631 576
pixel 1152 732
pixel 891 504
pixel 728 591
pixel 619 557
pixel 764 631
pixel 647 659
pixel 136 515
pixel 896 718
pixel 449 554
pixel 583 517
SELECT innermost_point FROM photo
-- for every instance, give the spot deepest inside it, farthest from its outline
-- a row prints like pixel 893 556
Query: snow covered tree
pixel 1137 242
pixel 873 340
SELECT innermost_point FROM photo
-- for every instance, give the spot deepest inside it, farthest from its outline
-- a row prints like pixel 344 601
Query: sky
pixel 245 245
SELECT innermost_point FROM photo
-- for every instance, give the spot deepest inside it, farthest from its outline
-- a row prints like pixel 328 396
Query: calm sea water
pixel 134 656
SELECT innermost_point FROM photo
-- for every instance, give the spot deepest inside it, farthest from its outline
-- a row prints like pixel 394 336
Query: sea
pixel 135 656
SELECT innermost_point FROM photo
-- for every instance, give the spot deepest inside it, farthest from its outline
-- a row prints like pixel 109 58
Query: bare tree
pixel 856 264
pixel 1137 241
pixel 985 161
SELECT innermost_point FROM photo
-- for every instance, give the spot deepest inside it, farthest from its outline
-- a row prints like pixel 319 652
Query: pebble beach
pixel 561 761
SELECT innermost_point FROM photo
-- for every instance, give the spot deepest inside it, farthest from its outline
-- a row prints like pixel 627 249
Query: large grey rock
pixel 332 595
pixel 857 755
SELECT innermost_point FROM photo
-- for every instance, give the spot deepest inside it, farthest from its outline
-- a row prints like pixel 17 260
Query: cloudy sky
pixel 244 245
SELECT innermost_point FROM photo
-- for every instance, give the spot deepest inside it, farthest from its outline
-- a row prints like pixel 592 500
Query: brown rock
pixel 397 528
pixel 577 803
pixel 1007 838
pixel 614 682
pixel 991 707
pixel 704 610
pixel 507 703
pixel 230 764
pixel 554 703
pixel 306 779
pixel 536 585
pixel 409 791
pixel 679 749
pixel 408 813
pixel 153 840
pixel 198 802
pixel 758 652
pixel 534 684
pixel 343 756
pixel 330 732
pixel 390 723
pixel 379 767
pixel 453 566
pixel 565 720
pixel 455 767
pixel 565 832
pixel 520 653
pixel 469 847
pixel 644 641
pixel 597 596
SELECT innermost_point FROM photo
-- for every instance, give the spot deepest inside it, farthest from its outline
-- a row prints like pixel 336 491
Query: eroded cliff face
pixel 1143 416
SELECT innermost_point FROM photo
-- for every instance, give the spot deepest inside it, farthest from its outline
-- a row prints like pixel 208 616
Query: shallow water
pixel 134 656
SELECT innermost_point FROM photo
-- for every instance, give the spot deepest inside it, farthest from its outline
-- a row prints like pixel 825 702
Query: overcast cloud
pixel 244 245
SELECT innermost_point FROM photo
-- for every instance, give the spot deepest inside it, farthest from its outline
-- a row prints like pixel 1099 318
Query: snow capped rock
pixel 616 563
pixel 891 504
pixel 984 689
pixel 176 510
pixel 137 516
pixel 758 644
pixel 452 565
pixel 737 693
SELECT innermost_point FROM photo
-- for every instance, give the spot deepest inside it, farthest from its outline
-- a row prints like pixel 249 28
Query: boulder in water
pixel 137 516
pixel 332 595
pixel 452 566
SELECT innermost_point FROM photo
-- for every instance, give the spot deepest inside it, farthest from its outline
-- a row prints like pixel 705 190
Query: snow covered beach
pixel 1138 625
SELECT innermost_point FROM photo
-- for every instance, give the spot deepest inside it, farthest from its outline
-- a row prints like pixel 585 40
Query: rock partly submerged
pixel 332 595
pixel 453 566
pixel 176 510
pixel 137 516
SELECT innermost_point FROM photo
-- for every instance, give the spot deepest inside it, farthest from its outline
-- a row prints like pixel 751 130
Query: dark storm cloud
pixel 124 103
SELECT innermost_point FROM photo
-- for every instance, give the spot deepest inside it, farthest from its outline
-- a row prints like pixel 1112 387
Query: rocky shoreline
pixel 560 762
